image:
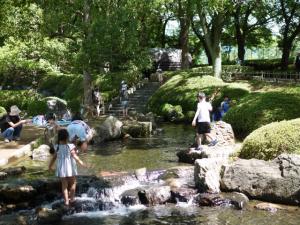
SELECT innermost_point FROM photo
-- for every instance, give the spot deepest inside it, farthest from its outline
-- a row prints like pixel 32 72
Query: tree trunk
pixel 207 53
pixel 87 87
pixel 184 40
pixel 217 61
pixel 87 78
pixel 241 51
pixel 286 50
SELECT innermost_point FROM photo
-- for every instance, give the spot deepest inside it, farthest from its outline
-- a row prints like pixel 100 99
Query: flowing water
pixel 157 152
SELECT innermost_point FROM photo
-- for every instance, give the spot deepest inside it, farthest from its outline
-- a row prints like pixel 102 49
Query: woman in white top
pixel 66 168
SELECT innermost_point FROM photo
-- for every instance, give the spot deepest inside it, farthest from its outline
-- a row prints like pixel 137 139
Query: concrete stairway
pixel 137 100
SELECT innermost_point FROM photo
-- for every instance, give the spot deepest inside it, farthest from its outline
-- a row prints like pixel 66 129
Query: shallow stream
pixel 157 152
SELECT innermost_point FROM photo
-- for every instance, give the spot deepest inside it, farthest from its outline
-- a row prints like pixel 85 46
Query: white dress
pixel 65 164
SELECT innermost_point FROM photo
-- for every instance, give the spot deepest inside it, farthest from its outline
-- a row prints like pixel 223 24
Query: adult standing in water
pixel 202 121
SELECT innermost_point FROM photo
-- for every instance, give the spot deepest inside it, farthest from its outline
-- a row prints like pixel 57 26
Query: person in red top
pixel 12 127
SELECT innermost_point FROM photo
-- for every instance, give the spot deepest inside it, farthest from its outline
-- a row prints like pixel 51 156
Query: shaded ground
pixel 11 150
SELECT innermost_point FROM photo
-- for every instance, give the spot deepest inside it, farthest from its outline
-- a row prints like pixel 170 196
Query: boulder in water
pixel 137 129
pixel 276 181
pixel 110 129
pixel 207 174
pixel 155 195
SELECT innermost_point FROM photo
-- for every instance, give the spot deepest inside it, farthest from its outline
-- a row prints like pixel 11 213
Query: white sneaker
pixel 6 140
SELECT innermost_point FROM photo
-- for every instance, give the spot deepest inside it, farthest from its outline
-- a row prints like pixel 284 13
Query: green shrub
pixel 271 140
pixel 265 64
pixel 38 107
pixel 182 89
pixel 21 98
pixel 258 109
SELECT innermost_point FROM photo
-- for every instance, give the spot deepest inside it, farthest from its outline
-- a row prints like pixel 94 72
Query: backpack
pixel 39 120
pixel 124 94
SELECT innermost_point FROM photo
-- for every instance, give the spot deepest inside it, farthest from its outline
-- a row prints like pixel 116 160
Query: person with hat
pixel 12 127
pixel 202 121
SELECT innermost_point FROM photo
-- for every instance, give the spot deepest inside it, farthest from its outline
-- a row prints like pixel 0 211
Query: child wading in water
pixel 66 168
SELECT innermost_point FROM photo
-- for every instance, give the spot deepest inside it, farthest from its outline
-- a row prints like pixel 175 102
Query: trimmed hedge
pixel 258 109
pixel 181 89
pixel 272 140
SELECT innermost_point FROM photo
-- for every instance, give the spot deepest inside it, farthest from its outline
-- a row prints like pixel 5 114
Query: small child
pixel 66 168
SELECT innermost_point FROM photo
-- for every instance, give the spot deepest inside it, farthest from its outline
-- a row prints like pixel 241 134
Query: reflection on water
pixel 161 215
pixel 156 152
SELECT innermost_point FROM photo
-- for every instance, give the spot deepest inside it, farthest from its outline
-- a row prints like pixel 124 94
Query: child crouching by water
pixel 66 168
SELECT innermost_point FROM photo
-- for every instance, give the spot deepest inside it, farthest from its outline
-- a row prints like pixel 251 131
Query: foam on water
pixel 120 210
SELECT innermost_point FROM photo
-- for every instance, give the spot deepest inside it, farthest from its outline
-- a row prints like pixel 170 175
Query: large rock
pixel 275 181
pixel 110 129
pixel 207 174
pixel 42 153
pixel 223 132
pixel 190 155
pixel 57 106
pixel 155 195
pixel 137 129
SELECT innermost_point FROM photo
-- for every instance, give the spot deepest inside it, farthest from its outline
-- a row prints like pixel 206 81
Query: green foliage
pixel 37 107
pixel 172 113
pixel 182 88
pixel 272 140
pixel 265 64
pixel 258 109
pixel 3 111
pixel 19 98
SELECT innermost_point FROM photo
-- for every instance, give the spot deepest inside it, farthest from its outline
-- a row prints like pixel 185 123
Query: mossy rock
pixel 272 140
pixel 3 112
pixel 172 113
pixel 189 116
pixel 258 109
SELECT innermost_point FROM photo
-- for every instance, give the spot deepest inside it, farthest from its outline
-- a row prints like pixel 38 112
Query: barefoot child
pixel 66 168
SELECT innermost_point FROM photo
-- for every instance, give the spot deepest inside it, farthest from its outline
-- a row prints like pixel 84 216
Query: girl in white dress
pixel 66 167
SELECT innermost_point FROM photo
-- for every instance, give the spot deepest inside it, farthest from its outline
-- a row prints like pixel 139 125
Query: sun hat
pixel 14 110
pixel 201 94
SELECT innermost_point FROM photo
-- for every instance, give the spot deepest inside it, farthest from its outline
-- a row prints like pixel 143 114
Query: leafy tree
pixel 249 22
pixel 288 19
pixel 208 22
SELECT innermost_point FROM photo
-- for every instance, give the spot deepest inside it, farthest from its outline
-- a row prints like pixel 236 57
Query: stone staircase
pixel 137 100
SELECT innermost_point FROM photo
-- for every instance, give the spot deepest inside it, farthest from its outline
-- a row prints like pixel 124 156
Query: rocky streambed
pixel 214 190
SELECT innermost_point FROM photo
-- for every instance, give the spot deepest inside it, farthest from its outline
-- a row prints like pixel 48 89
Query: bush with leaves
pixel 271 140
pixel 182 88
pixel 21 98
pixel 258 109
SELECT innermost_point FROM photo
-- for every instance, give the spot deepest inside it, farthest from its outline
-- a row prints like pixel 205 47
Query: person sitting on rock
pixel 80 134
pixel 202 121
pixel 12 126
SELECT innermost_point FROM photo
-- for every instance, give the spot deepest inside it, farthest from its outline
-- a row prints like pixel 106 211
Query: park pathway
pixel 137 101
